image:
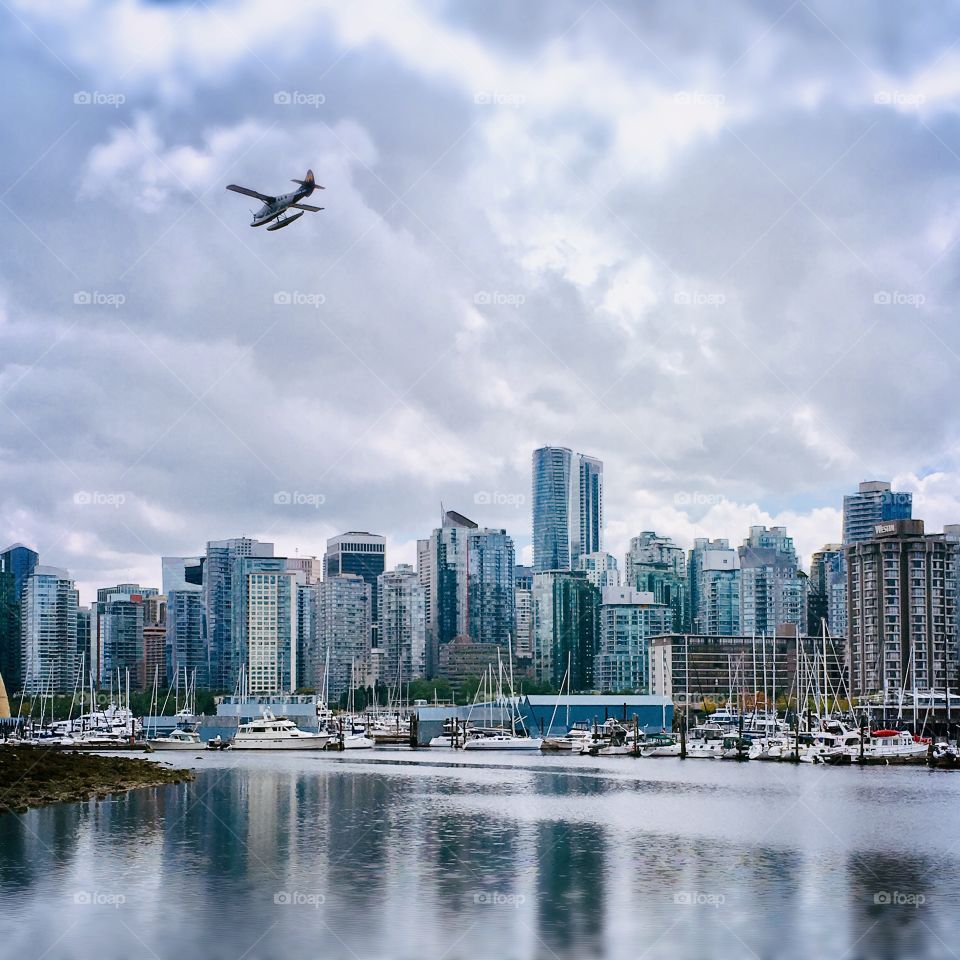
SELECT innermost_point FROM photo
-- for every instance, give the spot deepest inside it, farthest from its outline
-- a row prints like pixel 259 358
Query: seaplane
pixel 274 209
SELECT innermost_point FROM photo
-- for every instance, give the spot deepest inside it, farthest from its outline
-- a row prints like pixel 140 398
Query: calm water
pixel 402 855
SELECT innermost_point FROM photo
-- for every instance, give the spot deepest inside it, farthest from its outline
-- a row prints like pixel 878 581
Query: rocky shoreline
pixel 34 776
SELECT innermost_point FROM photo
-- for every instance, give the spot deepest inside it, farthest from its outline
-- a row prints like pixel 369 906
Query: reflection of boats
pixel 270 733
pixel 179 739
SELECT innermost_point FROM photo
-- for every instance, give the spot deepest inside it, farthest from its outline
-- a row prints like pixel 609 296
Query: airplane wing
pixel 250 193
pixel 306 206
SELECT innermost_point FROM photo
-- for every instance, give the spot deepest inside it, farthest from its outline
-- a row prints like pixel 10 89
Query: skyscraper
pixel 601 569
pixel 873 503
pixel 902 610
pixel 48 608
pixel 567 507
pixel 657 565
pixel 17 563
pixel 628 619
pixel 444 564
pixel 565 627
pixel 343 628
pixel 714 572
pixel 218 597
pixel 120 639
pixel 364 554
pixel 773 588
pixel 186 638
pixel 471 588
pixel 403 627
pixel 828 591
pixel 264 629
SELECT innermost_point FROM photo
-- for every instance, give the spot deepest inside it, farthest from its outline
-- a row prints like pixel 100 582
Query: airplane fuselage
pixel 270 211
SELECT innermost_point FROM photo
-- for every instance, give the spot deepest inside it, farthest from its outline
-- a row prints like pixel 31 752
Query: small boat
pixel 178 739
pixel 270 733
pixel 218 743
pixel 572 741
pixel 610 740
pixel 659 745
pixel 945 756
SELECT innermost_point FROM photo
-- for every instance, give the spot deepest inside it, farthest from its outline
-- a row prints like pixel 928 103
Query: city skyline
pixel 804 529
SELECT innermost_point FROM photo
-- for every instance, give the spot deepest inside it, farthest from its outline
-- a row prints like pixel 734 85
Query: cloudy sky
pixel 713 244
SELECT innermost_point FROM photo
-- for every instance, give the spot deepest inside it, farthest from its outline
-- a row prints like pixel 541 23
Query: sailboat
pixel 504 740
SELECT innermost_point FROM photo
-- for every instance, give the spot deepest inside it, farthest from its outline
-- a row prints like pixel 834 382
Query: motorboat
pixel 571 741
pixel 271 733
pixel 179 739
pixel 705 742
pixel 218 743
pixel 659 745
pixel 609 740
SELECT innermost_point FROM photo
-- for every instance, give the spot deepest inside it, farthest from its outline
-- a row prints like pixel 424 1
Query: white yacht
pixel 269 733
pixel 502 741
pixel 178 739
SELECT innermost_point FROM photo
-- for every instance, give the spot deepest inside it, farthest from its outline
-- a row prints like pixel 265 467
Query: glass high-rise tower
pixel 567 507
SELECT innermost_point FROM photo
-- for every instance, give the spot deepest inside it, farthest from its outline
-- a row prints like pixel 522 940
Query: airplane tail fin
pixel 309 182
